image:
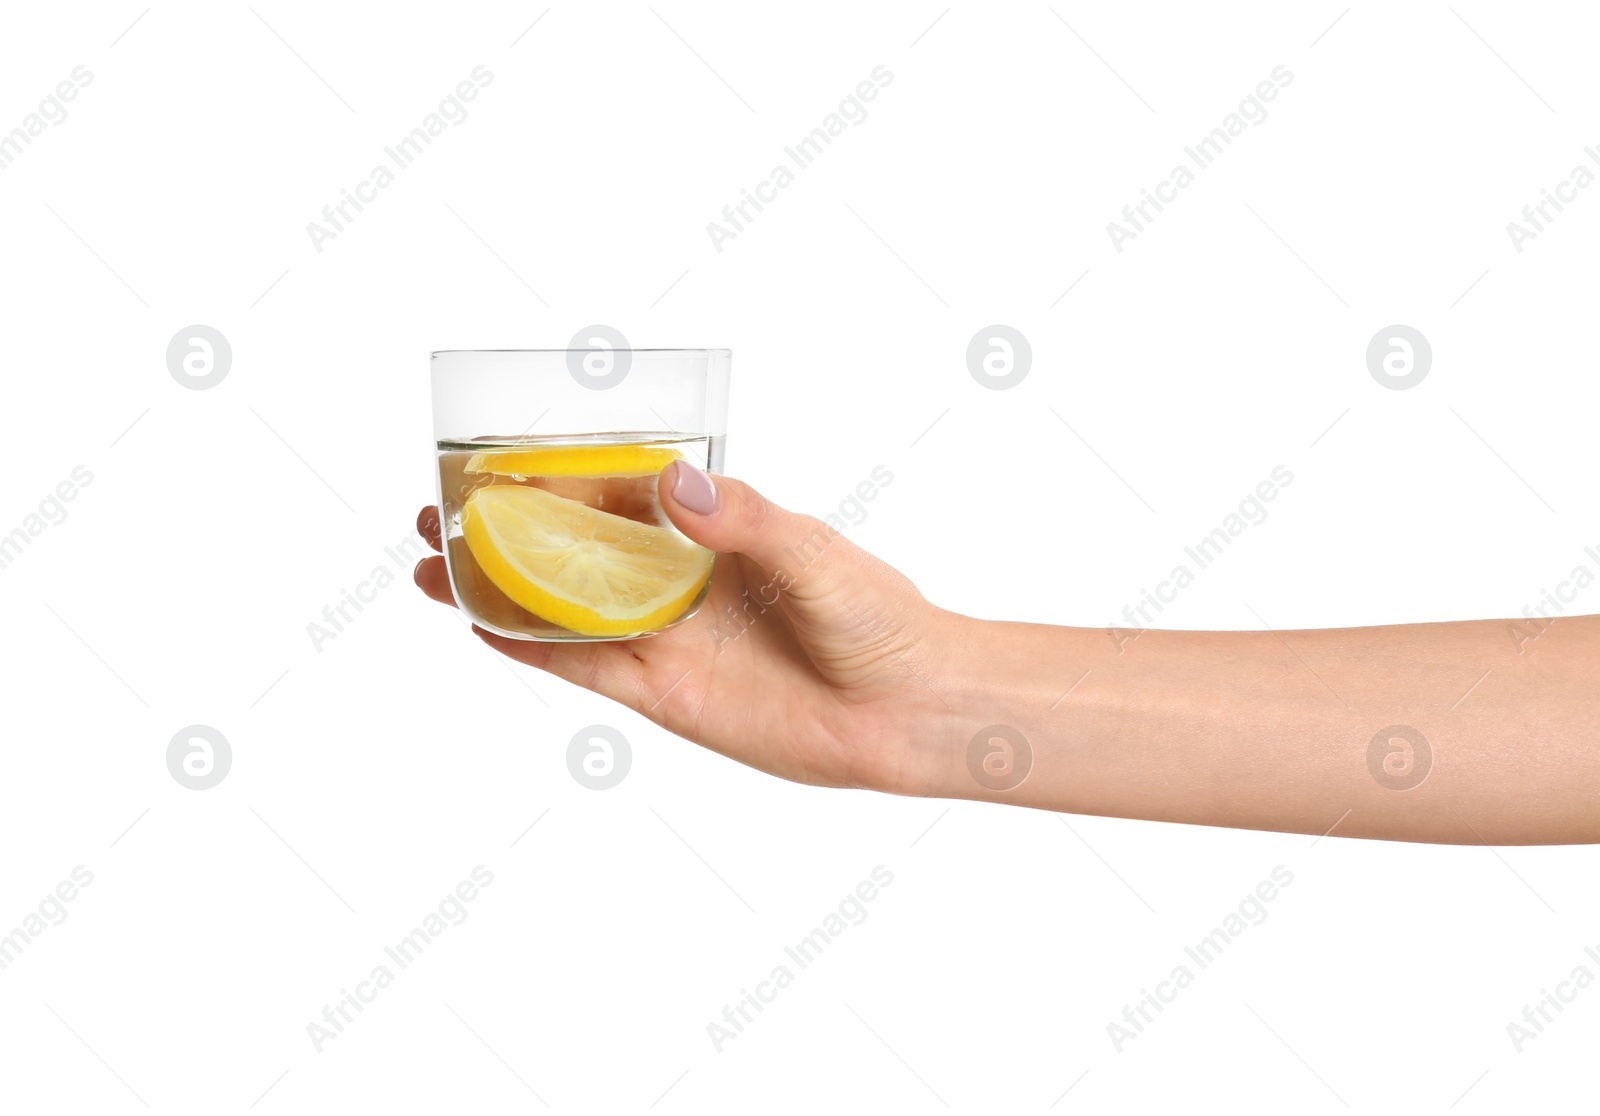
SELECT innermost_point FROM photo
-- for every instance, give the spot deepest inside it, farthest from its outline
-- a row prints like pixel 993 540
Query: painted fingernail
pixel 693 489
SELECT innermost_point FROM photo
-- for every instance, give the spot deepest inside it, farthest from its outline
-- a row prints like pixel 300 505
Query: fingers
pixel 609 669
pixel 629 497
pixel 606 668
pixel 428 527
pixel 728 515
pixel 432 578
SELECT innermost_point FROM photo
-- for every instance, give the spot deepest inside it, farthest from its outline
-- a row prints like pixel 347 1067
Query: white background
pixel 369 777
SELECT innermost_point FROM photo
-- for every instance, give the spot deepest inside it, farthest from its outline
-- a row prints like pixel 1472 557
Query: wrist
pixel 991 707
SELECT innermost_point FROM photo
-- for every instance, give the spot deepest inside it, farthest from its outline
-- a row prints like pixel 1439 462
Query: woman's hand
pixel 810 659
pixel 815 661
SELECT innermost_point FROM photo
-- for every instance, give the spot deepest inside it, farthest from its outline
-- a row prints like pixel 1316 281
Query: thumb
pixel 728 515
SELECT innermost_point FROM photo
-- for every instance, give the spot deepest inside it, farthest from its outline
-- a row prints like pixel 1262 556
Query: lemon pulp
pixel 587 570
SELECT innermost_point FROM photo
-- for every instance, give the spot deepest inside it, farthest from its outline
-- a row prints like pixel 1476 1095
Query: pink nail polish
pixel 693 489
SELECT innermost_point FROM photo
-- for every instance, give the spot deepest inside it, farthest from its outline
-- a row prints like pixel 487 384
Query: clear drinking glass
pixel 548 462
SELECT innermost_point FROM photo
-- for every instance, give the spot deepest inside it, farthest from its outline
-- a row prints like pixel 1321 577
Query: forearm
pixel 1290 731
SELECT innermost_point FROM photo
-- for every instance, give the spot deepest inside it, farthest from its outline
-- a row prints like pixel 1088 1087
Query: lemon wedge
pixel 589 571
pixel 575 461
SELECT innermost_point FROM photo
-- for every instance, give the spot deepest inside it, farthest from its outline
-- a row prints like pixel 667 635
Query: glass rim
pixel 679 352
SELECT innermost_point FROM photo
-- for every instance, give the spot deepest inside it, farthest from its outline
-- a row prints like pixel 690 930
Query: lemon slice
pixel 589 571
pixel 575 461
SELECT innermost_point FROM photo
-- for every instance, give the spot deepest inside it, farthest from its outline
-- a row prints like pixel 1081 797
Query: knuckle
pixel 808 542
pixel 757 507
pixel 592 669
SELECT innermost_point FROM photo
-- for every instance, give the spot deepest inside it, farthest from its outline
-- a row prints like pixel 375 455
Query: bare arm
pixel 1458 732
pixel 817 662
